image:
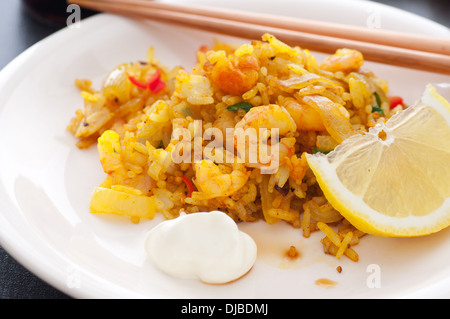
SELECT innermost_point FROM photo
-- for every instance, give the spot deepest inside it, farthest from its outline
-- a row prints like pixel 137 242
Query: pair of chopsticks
pixel 389 47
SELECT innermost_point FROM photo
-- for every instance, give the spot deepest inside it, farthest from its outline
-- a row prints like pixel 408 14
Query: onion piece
pixel 335 121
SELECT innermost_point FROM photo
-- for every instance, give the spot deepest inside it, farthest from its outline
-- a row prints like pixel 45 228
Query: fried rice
pixel 263 84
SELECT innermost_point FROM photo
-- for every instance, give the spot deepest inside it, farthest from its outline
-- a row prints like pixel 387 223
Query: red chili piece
pixel 139 84
pixel 154 83
pixel 189 185
pixel 394 101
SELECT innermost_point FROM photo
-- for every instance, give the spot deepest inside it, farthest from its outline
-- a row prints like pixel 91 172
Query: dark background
pixel 20 28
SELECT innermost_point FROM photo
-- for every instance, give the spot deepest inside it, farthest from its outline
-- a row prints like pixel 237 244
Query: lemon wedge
pixel 395 179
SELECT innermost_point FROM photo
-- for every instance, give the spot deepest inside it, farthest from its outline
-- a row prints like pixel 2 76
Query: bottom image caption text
pixel 228 308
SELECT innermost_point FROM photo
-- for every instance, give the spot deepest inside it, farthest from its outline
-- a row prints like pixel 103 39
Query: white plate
pixel 46 182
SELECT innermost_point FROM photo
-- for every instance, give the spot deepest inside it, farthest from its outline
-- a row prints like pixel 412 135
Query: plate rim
pixel 7 237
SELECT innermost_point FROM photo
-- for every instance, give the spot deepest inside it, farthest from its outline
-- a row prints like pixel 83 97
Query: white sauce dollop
pixel 208 246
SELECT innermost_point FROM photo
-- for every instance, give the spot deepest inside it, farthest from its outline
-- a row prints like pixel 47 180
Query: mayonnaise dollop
pixel 207 245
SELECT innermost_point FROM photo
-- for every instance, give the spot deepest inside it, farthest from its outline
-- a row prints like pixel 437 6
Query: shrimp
pixel 268 117
pixel 258 125
pixel 236 75
pixel 270 161
pixel 306 117
pixel 215 180
pixel 345 60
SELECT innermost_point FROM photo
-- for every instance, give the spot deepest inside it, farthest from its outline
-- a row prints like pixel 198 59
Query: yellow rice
pixel 137 159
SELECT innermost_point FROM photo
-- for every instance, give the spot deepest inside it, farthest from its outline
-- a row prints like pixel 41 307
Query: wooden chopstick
pixel 217 22
pixel 379 36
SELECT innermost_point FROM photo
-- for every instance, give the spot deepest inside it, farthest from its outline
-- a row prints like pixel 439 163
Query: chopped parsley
pixel 241 105
pixel 316 150
pixel 377 108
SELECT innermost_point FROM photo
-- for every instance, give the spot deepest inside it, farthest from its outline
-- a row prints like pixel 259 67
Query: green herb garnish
pixel 241 105
pixel 316 150
pixel 377 108
pixel 160 145
pixel 377 98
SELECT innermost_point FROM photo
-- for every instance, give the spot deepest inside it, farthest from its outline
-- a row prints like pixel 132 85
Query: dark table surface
pixel 18 31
